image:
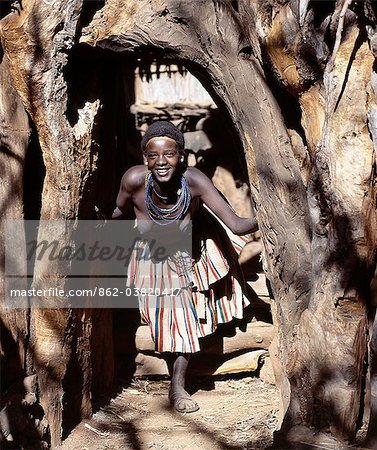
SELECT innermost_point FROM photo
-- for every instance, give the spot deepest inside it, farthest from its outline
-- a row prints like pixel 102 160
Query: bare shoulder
pixel 134 178
pixel 199 182
pixel 195 177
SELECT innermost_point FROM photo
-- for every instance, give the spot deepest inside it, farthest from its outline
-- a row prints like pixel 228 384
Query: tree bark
pixel 14 139
pixel 294 79
pixel 36 41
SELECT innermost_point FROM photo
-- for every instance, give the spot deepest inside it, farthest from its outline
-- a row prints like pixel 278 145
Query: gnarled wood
pixel 14 140
pixel 317 230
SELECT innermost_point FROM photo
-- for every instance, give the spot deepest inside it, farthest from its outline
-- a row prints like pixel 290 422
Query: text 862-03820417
pixel 135 291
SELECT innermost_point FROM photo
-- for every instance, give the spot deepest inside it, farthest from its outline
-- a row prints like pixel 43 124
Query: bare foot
pixel 182 401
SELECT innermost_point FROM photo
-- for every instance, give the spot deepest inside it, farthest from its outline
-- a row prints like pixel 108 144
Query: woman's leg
pixel 178 396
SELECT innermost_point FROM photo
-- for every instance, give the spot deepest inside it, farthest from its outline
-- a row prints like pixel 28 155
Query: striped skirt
pixel 185 297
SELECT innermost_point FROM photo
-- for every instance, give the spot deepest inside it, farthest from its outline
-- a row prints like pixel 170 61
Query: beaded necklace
pixel 165 216
pixel 163 198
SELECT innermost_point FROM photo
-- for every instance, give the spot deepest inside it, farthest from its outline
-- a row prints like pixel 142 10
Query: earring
pixel 182 158
pixel 146 163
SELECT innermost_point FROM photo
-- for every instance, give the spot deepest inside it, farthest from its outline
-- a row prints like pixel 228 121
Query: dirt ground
pixel 234 414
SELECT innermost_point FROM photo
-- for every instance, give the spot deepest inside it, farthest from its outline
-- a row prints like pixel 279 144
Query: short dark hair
pixel 163 128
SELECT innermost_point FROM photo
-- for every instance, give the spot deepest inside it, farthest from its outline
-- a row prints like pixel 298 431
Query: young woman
pixel 164 191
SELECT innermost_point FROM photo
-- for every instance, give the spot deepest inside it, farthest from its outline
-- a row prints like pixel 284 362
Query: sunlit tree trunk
pixel 297 81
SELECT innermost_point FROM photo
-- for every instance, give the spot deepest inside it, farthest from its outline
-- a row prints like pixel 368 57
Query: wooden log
pixel 247 362
pixel 153 365
pixel 149 365
pixel 266 373
pixel 260 288
pixel 257 335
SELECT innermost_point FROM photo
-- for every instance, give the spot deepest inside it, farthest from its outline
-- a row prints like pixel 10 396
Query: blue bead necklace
pixel 165 216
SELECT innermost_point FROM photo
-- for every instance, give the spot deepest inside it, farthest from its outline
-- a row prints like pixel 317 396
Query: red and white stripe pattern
pixel 210 293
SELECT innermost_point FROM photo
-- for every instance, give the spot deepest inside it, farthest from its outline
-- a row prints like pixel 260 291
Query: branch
pixel 303 7
pixel 338 38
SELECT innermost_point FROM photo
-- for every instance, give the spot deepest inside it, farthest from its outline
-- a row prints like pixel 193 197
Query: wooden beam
pixel 154 365
pixel 257 335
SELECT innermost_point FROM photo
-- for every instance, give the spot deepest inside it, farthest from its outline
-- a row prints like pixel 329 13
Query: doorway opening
pixel 164 89
pixel 135 91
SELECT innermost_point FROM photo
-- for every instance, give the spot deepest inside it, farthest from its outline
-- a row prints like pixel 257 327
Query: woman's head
pixel 163 128
pixel 163 148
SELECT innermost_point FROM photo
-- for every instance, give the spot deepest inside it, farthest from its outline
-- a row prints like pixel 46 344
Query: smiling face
pixel 163 158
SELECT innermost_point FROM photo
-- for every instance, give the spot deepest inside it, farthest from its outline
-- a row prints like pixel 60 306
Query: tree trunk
pixel 61 338
pixel 14 138
pixel 296 82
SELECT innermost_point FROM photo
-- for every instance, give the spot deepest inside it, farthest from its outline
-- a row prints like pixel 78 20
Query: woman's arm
pixel 128 186
pixel 201 186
